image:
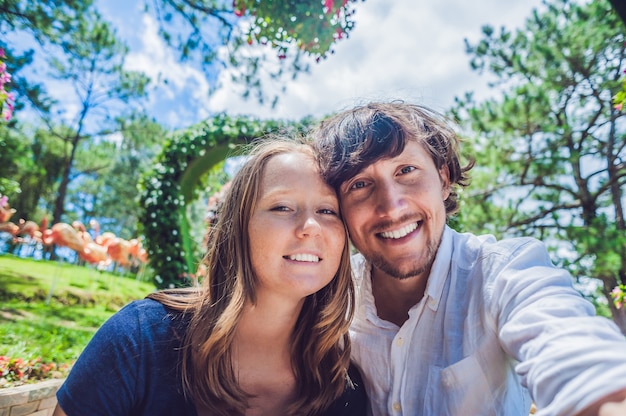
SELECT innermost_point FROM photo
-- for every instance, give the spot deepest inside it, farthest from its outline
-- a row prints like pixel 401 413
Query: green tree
pixel 620 8
pixel 12 156
pixel 91 67
pixel 31 161
pixel 108 192
pixel 43 21
pixel 312 27
pixel 551 149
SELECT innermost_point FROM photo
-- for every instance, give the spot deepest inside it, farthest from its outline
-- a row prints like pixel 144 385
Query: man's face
pixel 395 212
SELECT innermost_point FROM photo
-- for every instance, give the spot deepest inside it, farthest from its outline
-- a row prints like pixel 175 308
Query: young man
pixel 450 323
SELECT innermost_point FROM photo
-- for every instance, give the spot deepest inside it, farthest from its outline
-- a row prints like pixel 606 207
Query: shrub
pixel 16 371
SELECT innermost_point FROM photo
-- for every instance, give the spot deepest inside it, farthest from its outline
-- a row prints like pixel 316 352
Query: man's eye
pixel 407 169
pixel 358 185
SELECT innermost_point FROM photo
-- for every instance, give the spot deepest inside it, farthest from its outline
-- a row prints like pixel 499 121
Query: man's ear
pixel 444 176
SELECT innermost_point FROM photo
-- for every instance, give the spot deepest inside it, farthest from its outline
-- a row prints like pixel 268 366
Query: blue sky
pixel 406 49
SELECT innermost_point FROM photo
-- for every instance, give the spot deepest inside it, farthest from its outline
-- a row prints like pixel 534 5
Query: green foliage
pixel 92 68
pixel 173 183
pixel 12 159
pixel 620 8
pixel 112 192
pixel 280 23
pixel 550 149
pixel 45 21
pixel 620 98
pixel 37 166
pixel 84 53
pixel 197 28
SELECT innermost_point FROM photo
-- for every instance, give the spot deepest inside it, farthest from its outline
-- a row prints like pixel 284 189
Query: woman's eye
pixel 327 211
pixel 407 169
pixel 280 208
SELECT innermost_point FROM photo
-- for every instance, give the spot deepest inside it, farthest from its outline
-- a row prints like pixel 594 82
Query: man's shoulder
pixel 476 246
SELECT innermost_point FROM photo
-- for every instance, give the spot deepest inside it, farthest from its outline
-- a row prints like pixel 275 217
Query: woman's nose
pixel 309 226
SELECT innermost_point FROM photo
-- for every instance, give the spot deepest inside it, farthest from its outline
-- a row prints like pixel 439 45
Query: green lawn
pixel 49 311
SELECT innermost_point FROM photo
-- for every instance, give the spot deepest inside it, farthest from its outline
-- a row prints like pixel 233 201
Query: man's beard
pixel 418 268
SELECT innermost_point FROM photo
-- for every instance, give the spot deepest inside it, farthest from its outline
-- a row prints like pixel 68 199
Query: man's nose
pixel 389 199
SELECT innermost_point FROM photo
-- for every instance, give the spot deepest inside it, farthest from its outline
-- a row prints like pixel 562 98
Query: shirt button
pixel 399 341
pixel 397 407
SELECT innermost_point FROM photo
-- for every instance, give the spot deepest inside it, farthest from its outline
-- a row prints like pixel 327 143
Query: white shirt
pixel 498 324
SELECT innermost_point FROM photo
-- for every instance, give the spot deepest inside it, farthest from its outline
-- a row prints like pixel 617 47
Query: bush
pixel 16 371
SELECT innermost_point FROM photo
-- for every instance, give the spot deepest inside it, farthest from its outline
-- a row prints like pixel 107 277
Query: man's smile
pixel 401 232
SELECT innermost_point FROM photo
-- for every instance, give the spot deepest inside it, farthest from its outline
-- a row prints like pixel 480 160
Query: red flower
pixel 328 5
pixel 239 11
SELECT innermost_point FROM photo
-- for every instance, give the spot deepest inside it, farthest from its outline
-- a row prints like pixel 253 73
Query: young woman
pixel 266 334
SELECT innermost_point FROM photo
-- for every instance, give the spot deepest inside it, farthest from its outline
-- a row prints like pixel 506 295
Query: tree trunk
pixel 59 203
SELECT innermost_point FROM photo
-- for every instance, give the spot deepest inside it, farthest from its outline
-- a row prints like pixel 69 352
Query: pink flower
pixel 5 78
pixel 328 5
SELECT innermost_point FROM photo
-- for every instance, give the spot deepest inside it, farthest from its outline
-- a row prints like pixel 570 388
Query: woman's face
pixel 296 235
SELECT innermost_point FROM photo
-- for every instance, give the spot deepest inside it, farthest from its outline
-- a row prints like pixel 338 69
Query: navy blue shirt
pixel 132 367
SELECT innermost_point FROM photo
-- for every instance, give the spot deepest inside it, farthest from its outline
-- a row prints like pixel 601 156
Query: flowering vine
pixel 7 99
pixel 313 26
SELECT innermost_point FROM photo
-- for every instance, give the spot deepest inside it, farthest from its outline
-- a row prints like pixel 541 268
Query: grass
pixel 49 311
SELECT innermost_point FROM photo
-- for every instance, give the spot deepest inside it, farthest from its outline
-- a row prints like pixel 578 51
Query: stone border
pixel 37 399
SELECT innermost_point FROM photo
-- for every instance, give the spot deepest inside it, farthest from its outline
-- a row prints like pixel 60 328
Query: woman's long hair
pixel 321 346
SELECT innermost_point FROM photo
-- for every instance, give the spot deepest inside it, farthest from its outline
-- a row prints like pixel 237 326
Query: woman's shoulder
pixel 148 317
pixel 353 401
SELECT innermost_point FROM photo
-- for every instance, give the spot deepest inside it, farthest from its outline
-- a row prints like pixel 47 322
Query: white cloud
pixel 403 49
pixel 170 78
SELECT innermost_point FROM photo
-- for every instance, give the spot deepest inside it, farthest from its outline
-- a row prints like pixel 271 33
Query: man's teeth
pixel 304 257
pixel 401 232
